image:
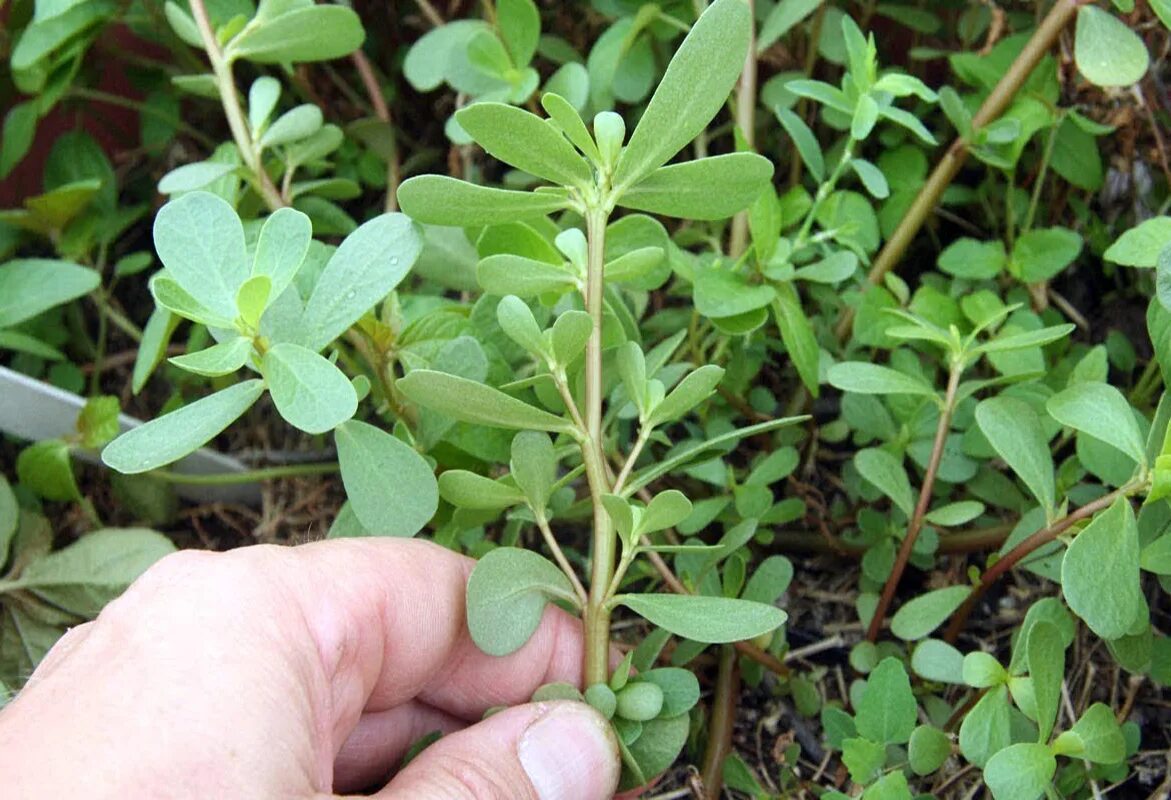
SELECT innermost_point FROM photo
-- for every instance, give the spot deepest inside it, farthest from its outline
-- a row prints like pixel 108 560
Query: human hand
pixel 275 672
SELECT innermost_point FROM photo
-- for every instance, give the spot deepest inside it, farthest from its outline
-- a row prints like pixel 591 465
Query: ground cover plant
pixel 813 352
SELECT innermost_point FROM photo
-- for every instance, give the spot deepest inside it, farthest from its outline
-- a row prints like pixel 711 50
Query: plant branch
pixel 994 105
pixel 746 122
pixel 382 111
pixel 1030 544
pixel 720 723
pixel 596 668
pixel 644 434
pixel 247 476
pixel 232 110
pixel 916 523
pixel 559 557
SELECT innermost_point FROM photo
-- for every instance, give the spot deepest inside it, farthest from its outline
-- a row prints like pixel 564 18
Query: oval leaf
pixel 471 401
pixel 174 435
pixel 309 392
pixel 391 488
pixel 713 620
pixel 440 200
pixel 507 594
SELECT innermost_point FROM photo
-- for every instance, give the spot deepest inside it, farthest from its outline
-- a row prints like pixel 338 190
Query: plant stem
pixel 916 523
pixel 1030 544
pixel 147 110
pixel 232 110
pixel 644 434
pixel 596 668
pixel 247 476
pixel 382 111
pixel 994 105
pixel 559 556
pixel 746 122
pixel 720 723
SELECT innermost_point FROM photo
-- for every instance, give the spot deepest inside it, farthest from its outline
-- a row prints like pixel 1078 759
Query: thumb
pixel 560 750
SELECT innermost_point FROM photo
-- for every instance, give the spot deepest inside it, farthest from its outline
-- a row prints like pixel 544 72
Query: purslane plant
pixel 591 176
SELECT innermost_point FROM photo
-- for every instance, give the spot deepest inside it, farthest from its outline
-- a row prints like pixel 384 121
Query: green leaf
pixel 713 620
pixel 922 615
pixel 707 188
pixel 680 689
pixel 518 323
pixel 156 335
pixel 168 294
pixel 282 247
pixel 440 200
pixel 20 128
pixel 1042 253
pixel 954 514
pixel 367 266
pixel 1015 432
pixel 190 177
pixel 1106 50
pixel 252 300
pixel 29 286
pixel 696 387
pixel 1140 246
pixel 1101 411
pixel 174 435
pixel 935 660
pixel 862 378
pixel 1021 771
pixel 525 141
pixel 1100 572
pixel 308 33
pixel 9 519
pixel 688 454
pixel 562 112
pixel 534 467
pixel 571 332
pixel 973 259
pixel 506 597
pixel 391 488
pixel 309 392
pixel 986 728
pixel 1019 341
pixel 46 468
pixel 665 510
pixel 887 473
pixel 294 125
pixel 471 401
pixel 200 241
pixel 1102 740
pixel 982 670
pixel 928 749
pixel 886 711
pixel 504 274
pixel 654 751
pixel 798 336
pixel 86 575
pixel 468 490
pixel 263 95
pixel 694 88
pixel 1046 669
pixel 520 28
pixel 863 758
pixel 804 141
pixel 219 359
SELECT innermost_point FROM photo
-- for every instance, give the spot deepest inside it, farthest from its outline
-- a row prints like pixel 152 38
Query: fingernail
pixel 570 754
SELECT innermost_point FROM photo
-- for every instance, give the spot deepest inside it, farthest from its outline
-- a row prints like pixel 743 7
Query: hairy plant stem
pixel 720 723
pixel 1029 545
pixel 232 110
pixel 596 668
pixel 916 523
pixel 994 105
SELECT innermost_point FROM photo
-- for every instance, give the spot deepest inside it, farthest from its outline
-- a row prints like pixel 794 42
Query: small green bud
pixel 640 701
pixel 610 132
pixel 602 697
